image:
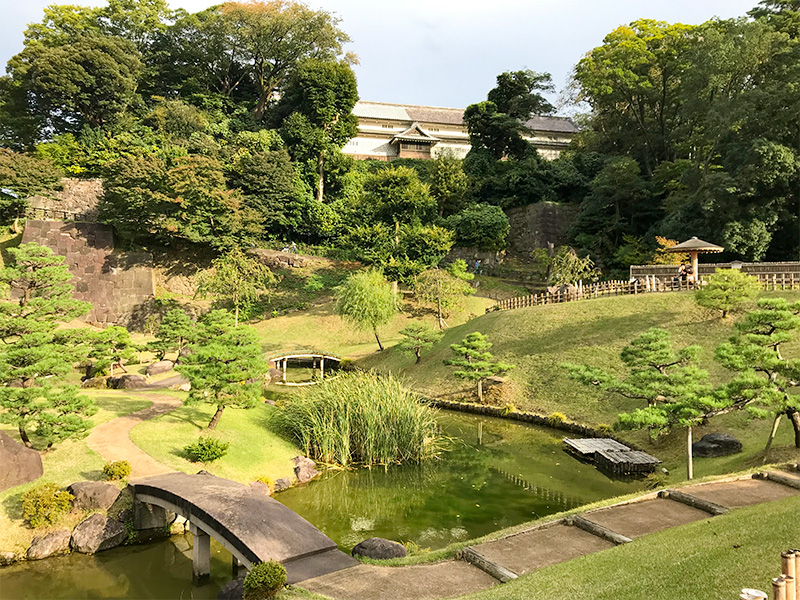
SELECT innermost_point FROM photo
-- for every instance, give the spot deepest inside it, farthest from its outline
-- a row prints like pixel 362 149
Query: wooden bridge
pixel 252 526
pixel 315 362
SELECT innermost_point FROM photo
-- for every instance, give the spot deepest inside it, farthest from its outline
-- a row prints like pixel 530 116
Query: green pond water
pixel 517 473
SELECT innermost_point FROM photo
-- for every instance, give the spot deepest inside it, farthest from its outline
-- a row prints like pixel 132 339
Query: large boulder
pixel 379 549
pixel 7 558
pixel 233 590
pixel 18 464
pixel 305 469
pixel 92 495
pixel 95 382
pixel 159 367
pixel 51 544
pixel 97 533
pixel 716 444
pixel 261 487
pixel 129 381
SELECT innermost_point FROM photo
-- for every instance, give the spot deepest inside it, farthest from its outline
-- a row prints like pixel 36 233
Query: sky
pixel 449 52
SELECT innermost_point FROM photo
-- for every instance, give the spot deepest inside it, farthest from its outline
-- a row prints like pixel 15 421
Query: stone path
pixel 552 543
pixel 112 441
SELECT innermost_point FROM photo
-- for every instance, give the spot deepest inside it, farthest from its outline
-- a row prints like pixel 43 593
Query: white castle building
pixel 387 131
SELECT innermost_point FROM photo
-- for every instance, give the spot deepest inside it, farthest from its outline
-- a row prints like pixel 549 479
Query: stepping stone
pixel 529 551
pixel 640 518
pixel 417 582
pixel 744 492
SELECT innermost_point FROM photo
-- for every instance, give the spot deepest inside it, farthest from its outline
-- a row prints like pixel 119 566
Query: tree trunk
pixel 377 339
pixel 689 463
pixel 418 352
pixel 23 435
pixel 217 416
pixel 795 417
pixel 480 390
pixel 772 436
pixel 320 179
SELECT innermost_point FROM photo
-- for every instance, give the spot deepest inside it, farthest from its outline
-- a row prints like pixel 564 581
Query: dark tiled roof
pixel 560 124
pixel 431 114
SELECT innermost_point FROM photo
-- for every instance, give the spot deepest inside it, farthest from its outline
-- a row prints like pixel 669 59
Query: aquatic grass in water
pixel 363 419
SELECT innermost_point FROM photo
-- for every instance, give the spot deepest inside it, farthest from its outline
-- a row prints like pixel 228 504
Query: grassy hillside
pixel 538 340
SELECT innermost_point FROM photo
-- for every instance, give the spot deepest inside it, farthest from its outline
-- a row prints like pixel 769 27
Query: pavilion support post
pixel 284 370
pixel 322 368
pixel 201 553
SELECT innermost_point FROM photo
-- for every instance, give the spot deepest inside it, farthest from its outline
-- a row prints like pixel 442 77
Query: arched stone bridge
pixel 252 526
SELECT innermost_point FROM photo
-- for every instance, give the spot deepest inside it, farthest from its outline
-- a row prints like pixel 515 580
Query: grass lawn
pixel 538 340
pixel 713 558
pixel 66 463
pixel 254 450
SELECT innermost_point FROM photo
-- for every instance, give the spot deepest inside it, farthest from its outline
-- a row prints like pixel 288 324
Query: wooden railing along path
pixel 581 291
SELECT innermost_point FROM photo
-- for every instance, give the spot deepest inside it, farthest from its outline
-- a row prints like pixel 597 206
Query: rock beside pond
pixel 7 558
pixel 716 444
pixel 284 483
pixel 233 590
pixel 91 495
pixel 128 381
pixel 305 469
pixel 162 366
pixel 19 464
pixel 379 549
pixel 51 544
pixel 261 487
pixel 95 382
pixel 97 533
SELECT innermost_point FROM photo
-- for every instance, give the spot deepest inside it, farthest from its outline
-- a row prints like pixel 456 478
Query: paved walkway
pixel 484 565
pixel 112 441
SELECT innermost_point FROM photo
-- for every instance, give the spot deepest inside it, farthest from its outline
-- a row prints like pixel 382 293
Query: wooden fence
pixel 649 284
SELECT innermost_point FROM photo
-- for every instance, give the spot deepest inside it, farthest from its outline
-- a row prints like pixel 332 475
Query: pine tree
pixel 112 347
pixel 475 362
pixel 727 290
pixel 418 337
pixel 674 389
pixel 765 375
pixel 225 364
pixel 174 332
pixel 35 355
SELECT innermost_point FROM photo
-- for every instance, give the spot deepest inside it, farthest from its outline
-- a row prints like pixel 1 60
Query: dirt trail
pixel 112 439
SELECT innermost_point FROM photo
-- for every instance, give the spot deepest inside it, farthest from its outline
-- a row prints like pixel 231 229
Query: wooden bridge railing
pixel 774 281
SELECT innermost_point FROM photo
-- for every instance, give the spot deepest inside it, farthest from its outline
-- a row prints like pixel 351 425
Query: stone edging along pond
pixel 513 414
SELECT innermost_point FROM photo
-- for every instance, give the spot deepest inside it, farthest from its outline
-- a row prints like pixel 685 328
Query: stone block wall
pixel 539 225
pixel 79 199
pixel 117 284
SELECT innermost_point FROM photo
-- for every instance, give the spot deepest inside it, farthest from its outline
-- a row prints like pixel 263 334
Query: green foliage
pixel 418 337
pixel 35 353
pixel 111 346
pixel 396 195
pixel 44 505
pixel 556 418
pixel 474 362
pixel 173 333
pixel 448 184
pixel 481 225
pixel 25 176
pixel 366 300
pixel 117 469
pixel 443 290
pixel 206 449
pixel 225 364
pixel 361 418
pixel 727 290
pixel 565 267
pixel 264 581
pixel 236 278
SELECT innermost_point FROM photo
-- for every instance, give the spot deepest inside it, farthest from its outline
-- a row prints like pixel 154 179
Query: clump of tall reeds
pixel 361 418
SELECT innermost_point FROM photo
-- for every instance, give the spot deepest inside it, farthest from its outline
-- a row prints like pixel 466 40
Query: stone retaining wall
pixel 117 284
pixel 539 225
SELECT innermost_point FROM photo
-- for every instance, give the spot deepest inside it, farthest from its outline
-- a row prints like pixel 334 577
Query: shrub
pixel 267 481
pixel 264 581
pixel 206 449
pixel 556 418
pixel 360 418
pixel 483 225
pixel 118 469
pixel 605 429
pixel 45 505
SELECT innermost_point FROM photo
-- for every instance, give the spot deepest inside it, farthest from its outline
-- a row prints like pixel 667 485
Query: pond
pixel 516 473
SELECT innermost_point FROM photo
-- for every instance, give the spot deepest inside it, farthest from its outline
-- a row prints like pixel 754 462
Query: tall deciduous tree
pixel 236 278
pixel 367 300
pixel 318 104
pixel 35 355
pixel 445 289
pixel 765 376
pixel 674 389
pixel 474 362
pixel 225 365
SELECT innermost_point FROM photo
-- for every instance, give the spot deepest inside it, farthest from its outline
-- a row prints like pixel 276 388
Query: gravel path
pixel 112 441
